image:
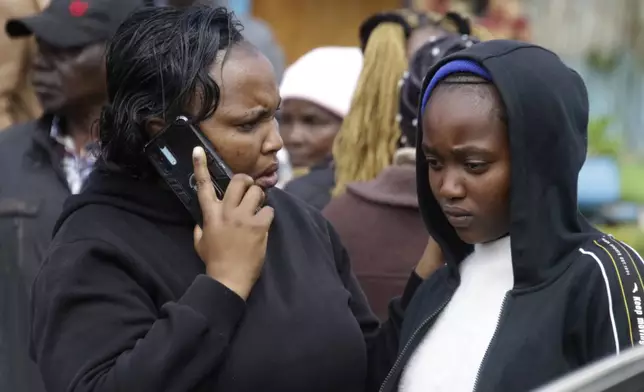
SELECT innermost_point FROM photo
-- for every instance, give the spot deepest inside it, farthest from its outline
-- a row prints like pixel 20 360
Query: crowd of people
pixel 402 215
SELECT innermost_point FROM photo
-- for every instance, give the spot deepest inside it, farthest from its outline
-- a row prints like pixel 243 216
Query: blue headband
pixel 452 67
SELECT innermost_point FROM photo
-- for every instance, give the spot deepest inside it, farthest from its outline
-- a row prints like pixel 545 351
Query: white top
pixel 449 357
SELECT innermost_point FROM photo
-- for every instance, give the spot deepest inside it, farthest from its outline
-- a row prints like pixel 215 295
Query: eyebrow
pixel 458 150
pixel 470 150
pixel 259 113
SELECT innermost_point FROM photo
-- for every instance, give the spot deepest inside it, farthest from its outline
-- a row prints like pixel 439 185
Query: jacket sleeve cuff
pixel 413 283
pixel 217 303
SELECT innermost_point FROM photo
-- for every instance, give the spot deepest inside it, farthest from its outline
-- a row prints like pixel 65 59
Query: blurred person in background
pixel 316 95
pixel 133 296
pixel 45 160
pixel 530 290
pixel 18 102
pixel 383 254
pixel 370 133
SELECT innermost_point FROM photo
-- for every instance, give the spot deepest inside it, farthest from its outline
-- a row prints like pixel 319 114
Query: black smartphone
pixel 170 152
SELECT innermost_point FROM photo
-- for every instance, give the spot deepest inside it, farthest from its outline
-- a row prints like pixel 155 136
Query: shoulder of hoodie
pixel 610 279
pixel 609 257
pixel 295 217
pixel 609 274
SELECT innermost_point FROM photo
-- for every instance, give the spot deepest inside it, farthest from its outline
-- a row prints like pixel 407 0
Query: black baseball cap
pixel 74 23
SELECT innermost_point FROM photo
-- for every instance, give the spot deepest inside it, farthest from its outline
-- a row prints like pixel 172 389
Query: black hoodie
pixel 121 303
pixel 577 292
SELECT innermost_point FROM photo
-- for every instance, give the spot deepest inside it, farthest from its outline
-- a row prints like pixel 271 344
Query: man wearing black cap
pixel 46 160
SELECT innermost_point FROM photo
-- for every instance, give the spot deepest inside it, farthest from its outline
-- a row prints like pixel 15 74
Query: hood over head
pixel 547 109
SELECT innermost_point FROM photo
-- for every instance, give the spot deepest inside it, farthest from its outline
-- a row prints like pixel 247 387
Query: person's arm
pixel 96 326
pixel 612 296
pixel 382 340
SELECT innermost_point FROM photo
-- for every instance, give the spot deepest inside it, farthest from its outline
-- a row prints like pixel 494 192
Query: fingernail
pixel 197 153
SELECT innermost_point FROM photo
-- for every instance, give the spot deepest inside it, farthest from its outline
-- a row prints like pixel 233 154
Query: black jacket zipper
pixel 410 341
pixel 487 351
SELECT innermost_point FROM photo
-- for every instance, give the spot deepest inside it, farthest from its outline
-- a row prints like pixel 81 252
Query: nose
pixel 297 134
pixel 451 186
pixel 42 62
pixel 273 142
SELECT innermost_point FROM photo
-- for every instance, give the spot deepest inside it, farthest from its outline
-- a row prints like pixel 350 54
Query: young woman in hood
pixel 383 255
pixel 132 296
pixel 530 290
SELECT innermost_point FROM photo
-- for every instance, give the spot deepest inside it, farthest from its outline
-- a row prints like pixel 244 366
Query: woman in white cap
pixel 316 94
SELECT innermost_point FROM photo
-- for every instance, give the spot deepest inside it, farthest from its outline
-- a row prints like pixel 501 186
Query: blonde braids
pixel 369 134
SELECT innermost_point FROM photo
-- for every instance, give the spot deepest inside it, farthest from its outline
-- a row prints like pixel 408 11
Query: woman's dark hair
pixel 411 83
pixel 158 67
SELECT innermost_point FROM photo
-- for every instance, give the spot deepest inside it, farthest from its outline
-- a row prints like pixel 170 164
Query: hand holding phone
pixel 170 152
pixel 233 236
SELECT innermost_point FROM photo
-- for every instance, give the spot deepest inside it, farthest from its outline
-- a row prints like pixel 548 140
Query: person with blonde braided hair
pixel 369 134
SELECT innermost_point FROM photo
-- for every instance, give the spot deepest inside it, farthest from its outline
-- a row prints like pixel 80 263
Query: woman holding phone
pixel 133 297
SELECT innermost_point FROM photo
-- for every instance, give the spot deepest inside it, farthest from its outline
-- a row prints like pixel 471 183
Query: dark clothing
pixel 315 187
pixel 32 191
pixel 576 296
pixel 383 255
pixel 122 303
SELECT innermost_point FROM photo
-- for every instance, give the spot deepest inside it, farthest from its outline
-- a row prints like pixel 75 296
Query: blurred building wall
pixel 602 39
pixel 301 25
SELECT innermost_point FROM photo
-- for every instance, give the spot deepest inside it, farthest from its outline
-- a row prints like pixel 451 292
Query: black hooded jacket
pixel 577 292
pixel 121 303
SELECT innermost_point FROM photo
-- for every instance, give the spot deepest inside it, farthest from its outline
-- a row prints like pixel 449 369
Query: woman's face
pixel 243 129
pixel 466 147
pixel 308 131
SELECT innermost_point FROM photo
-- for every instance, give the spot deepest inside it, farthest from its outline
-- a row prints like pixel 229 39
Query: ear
pixel 153 126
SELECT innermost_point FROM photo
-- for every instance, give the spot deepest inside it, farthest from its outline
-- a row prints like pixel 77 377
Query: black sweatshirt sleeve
pixel 616 318
pixel 96 328
pixel 382 340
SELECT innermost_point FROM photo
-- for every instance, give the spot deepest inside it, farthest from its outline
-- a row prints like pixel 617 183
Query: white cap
pixel 326 76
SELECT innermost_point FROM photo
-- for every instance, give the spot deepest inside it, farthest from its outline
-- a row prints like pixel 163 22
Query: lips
pixel 459 218
pixel 268 178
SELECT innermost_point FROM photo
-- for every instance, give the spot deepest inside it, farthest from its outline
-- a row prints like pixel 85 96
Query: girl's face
pixel 243 129
pixel 465 143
